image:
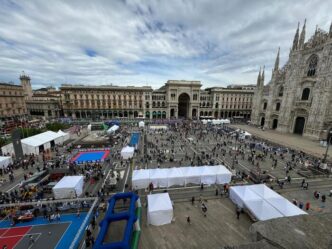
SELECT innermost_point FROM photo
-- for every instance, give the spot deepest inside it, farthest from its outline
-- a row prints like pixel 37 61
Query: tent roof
pixel 157 202
pixel 62 133
pixel 4 158
pixel 245 193
pixel 285 207
pixel 41 138
pixel 141 174
pixel 175 172
pixel 68 182
pixel 158 173
pixel 191 171
pixel 263 191
pixel 128 149
pixel 262 209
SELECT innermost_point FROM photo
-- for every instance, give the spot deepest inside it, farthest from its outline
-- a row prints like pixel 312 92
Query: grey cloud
pixel 217 42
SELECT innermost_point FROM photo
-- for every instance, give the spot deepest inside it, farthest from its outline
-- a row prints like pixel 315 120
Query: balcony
pixel 303 103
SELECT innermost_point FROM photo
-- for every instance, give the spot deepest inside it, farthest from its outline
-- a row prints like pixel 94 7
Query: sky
pixel 147 42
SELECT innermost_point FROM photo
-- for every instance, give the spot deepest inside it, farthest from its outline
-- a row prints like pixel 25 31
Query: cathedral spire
pixel 330 30
pixel 262 78
pixel 276 64
pixel 296 38
pixel 259 77
pixel 302 36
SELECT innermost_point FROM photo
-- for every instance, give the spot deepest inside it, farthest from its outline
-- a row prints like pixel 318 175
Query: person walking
pixel 238 212
pixel 307 206
pixel 188 220
pixel 302 183
pixel 31 240
pixel 193 200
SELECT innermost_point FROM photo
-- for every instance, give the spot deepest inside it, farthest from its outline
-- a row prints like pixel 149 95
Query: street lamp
pixel 328 140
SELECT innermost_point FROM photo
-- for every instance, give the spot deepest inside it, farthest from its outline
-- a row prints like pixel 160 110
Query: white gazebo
pixel 127 152
pixel 5 161
pixel 160 209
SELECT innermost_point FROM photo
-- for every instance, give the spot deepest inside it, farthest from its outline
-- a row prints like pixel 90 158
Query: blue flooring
pixel 134 139
pixel 90 156
pixel 67 237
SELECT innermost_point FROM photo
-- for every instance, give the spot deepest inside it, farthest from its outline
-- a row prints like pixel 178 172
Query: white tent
pixel 9 148
pixel 113 129
pixel 262 209
pixel 68 187
pixel 65 136
pixel 5 161
pixel 263 202
pixel 204 121
pixel 223 174
pixel 158 177
pixel 181 176
pixel 141 124
pixel 208 175
pixel 160 209
pixel 127 152
pixel 141 179
pixel 192 175
pixel 285 207
pixel 175 177
pixel 31 145
pixel 241 194
pixel 263 191
pixel 158 127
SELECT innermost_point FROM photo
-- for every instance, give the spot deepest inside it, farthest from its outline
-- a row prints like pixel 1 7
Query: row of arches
pixel 104 114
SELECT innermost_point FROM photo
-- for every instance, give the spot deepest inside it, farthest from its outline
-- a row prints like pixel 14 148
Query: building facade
pixel 298 99
pixel 12 101
pixel 45 103
pixel 176 99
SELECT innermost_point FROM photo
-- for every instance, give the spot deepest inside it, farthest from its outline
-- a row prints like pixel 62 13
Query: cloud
pixel 148 42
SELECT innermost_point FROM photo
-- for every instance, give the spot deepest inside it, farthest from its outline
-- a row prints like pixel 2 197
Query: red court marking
pixel 11 236
pixel 2 231
pixel 15 231
pixel 105 154
pixel 10 242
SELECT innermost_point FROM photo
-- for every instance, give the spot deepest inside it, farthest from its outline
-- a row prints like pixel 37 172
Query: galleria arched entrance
pixel 183 108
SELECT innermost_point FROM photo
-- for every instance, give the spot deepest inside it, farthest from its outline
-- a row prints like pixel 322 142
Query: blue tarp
pixel 134 139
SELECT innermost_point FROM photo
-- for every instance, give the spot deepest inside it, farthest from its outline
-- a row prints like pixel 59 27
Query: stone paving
pixel 288 140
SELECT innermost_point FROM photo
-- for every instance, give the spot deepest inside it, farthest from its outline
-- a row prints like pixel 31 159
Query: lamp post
pixel 328 140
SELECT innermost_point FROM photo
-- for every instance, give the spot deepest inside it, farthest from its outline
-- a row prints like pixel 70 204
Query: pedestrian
pixel 188 219
pixel 323 198
pixel 301 205
pixel 78 213
pixel 238 212
pixel 202 186
pixel 307 206
pixel 302 183
pixel 31 240
pixel 217 191
pixel 193 200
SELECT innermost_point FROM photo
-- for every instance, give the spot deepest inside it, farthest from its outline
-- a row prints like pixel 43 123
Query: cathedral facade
pixel 298 99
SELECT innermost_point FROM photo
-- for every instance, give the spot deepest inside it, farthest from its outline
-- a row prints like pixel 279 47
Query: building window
pixel 264 105
pixel 278 106
pixel 313 61
pixel 305 94
pixel 216 105
pixel 281 92
pixel 195 96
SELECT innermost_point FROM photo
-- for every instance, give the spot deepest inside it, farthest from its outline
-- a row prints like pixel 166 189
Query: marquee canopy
pixel 68 187
pixel 162 178
pixel 31 145
pixel 263 202
pixel 160 209
pixel 5 161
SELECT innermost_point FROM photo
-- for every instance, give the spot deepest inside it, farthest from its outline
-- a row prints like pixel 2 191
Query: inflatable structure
pixel 132 229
